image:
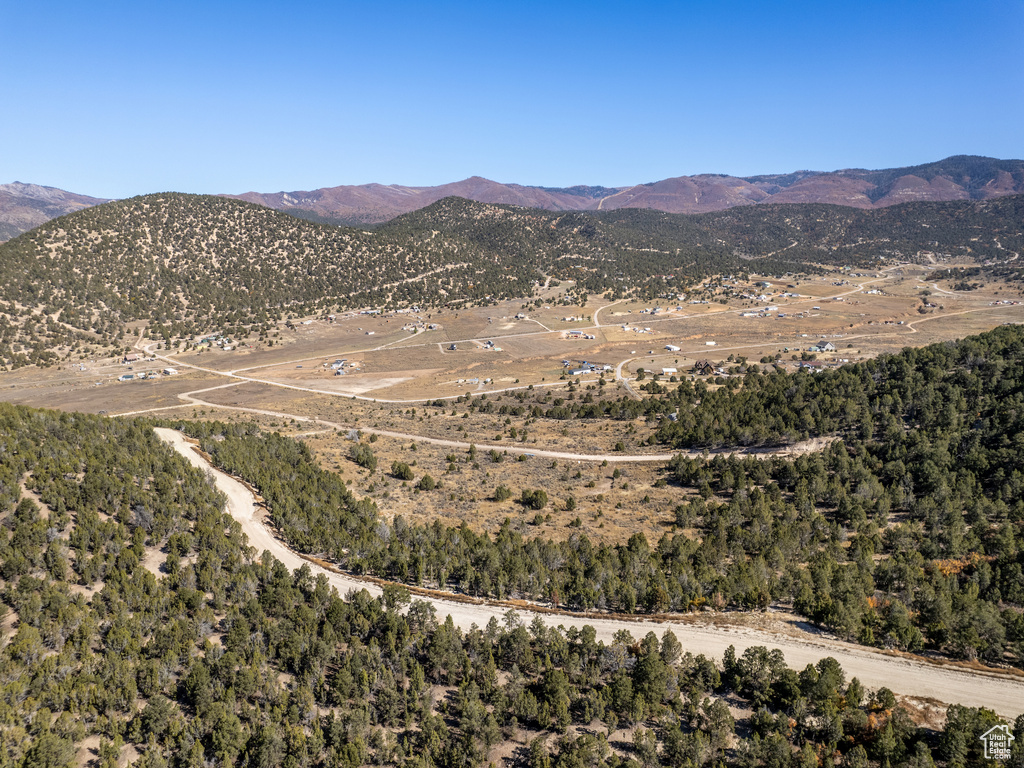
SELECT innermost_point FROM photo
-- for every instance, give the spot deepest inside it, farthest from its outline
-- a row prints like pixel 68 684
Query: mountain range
pixel 961 177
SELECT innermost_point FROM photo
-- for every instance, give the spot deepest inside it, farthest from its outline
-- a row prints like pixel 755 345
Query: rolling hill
pixel 187 263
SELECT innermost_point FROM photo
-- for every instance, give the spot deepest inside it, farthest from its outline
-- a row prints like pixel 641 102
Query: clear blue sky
pixel 117 98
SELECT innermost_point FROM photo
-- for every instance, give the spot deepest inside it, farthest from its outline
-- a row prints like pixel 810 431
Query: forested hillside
pixel 187 264
pixel 222 658
pixel 956 390
pixel 192 263
pixel 812 233
pixel 905 533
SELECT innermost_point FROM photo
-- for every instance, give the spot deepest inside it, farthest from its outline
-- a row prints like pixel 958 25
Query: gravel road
pixel 905 674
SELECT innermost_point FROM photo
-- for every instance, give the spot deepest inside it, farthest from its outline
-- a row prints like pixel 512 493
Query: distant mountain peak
pixel 33 191
pixel 26 206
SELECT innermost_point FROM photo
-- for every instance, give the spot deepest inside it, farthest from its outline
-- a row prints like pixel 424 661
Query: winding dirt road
pixel 796 449
pixel 905 674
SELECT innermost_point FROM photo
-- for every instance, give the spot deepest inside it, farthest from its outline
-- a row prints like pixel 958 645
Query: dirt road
pixel 796 449
pixel 904 674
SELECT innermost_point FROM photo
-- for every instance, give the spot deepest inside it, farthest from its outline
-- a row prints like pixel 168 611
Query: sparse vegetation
pixel 184 264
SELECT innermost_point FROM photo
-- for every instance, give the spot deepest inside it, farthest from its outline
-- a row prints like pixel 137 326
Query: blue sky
pixel 122 98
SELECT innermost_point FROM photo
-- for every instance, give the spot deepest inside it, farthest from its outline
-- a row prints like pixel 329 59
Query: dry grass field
pixel 608 503
pixel 395 363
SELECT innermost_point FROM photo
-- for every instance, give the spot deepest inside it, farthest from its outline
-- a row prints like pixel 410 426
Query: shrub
pixel 363 456
pixel 534 499
pixel 401 470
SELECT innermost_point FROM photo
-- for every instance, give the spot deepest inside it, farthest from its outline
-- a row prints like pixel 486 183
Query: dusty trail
pixel 906 675
pixel 796 449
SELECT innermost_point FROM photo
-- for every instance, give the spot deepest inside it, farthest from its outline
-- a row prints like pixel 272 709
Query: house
pixel 703 368
pixel 170 371
pixel 130 359
pixel 827 346
pixel 126 377
pixel 672 348
pixel 669 371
